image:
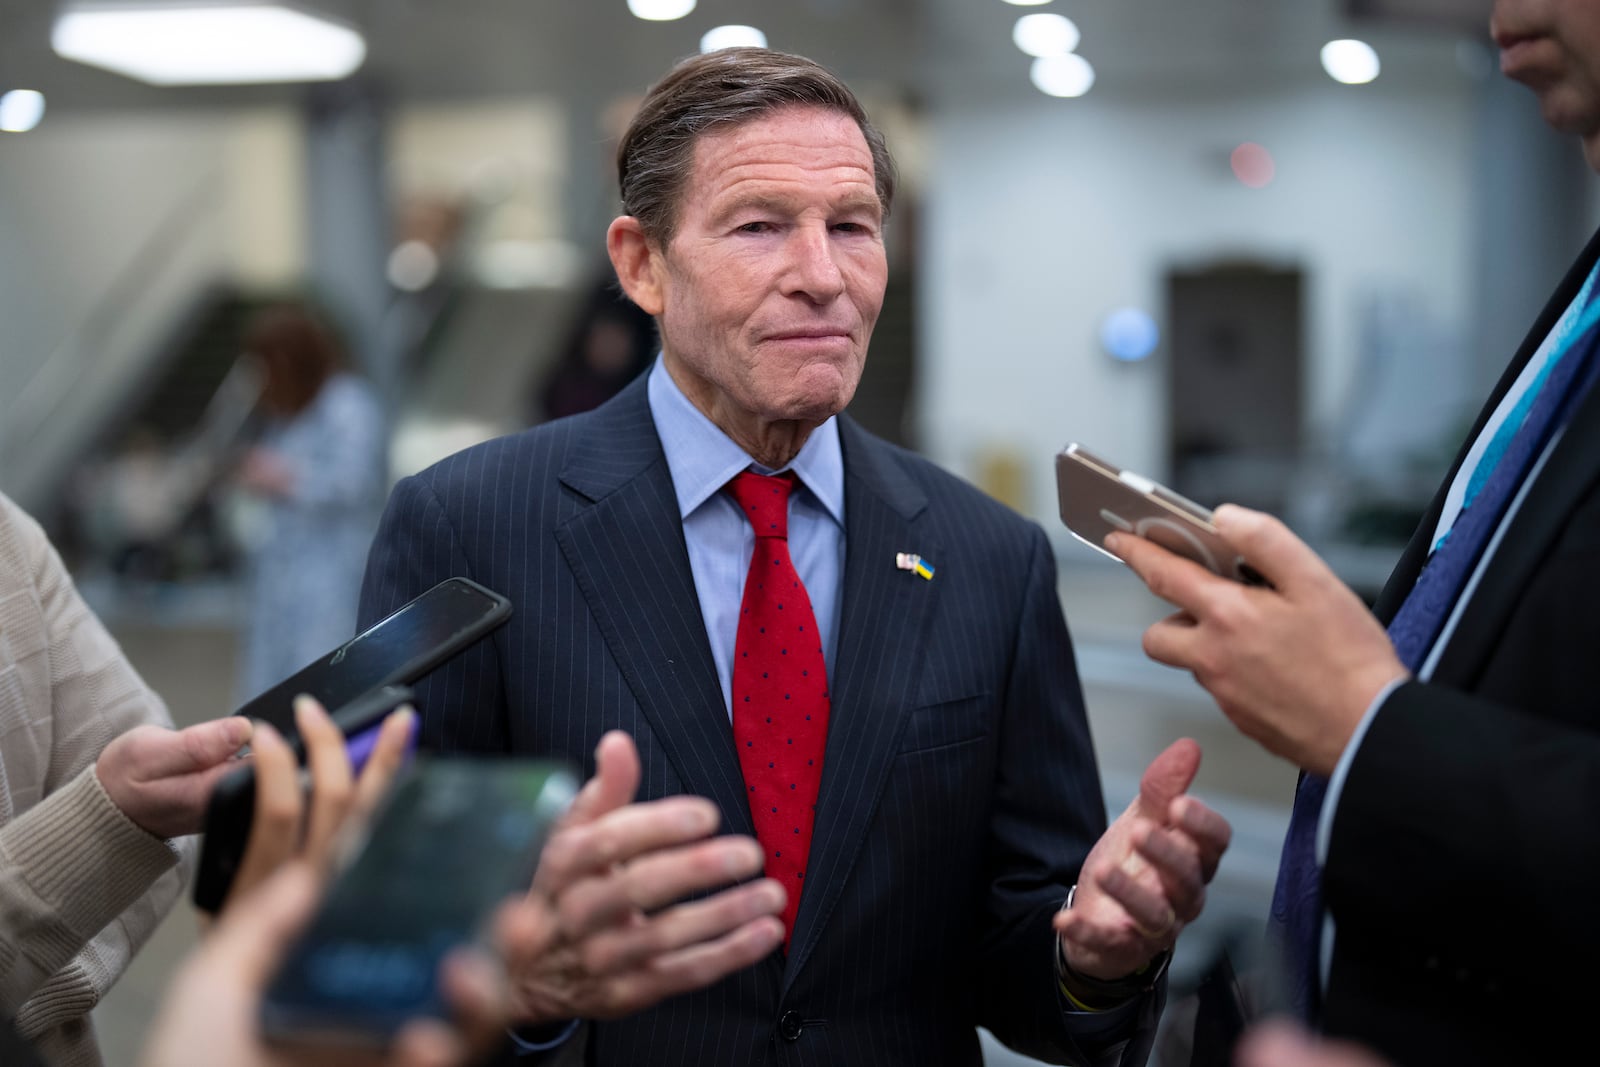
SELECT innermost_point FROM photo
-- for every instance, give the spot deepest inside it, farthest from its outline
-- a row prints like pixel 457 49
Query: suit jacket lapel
pixel 879 650
pixel 626 549
pixel 1415 554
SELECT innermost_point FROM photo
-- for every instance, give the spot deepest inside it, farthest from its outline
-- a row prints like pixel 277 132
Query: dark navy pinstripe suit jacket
pixel 959 795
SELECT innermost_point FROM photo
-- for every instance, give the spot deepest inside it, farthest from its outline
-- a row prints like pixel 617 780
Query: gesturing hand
pixel 612 877
pixel 1147 875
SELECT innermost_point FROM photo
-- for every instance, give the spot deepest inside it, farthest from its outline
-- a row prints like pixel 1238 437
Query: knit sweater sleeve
pixel 81 886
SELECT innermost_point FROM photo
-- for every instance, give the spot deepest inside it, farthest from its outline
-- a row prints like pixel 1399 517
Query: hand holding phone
pixel 358 682
pixel 454 839
pixel 1098 498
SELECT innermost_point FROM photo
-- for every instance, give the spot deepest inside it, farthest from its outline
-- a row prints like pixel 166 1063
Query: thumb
pixel 615 781
pixel 1167 777
pixel 251 939
pixel 168 754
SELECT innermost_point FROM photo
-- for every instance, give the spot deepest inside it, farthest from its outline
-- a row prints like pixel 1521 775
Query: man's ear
pixel 638 267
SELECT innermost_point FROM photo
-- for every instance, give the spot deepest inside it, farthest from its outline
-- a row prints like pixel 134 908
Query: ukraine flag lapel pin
pixel 910 561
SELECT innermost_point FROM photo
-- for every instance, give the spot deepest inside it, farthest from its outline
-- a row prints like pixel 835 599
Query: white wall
pixel 1042 218
pixel 110 224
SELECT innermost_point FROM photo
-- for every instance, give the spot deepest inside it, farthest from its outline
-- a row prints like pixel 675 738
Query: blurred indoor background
pixel 1268 251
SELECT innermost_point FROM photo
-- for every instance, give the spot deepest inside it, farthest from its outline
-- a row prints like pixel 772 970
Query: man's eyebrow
pixel 779 204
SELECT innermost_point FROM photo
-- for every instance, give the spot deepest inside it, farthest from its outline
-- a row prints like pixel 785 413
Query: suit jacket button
pixel 790 1026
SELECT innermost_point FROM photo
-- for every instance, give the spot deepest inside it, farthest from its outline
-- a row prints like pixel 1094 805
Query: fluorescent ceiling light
pixel 732 37
pixel 21 110
pixel 1045 35
pixel 1068 75
pixel 1350 62
pixel 208 43
pixel 1027 3
pixel 661 10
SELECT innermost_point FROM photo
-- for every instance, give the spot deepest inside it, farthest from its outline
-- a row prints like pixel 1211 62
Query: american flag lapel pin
pixel 910 561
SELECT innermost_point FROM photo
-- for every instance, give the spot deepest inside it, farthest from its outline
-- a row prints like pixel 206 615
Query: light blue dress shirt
pixel 702 459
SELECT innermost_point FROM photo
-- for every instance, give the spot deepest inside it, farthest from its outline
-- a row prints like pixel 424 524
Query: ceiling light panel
pixel 208 44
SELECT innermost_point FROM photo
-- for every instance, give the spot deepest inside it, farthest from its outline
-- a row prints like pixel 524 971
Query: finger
pixel 248 942
pixel 1271 548
pixel 658 879
pixel 1211 833
pixel 474 986
pixel 1144 902
pixel 1176 861
pixel 1282 1044
pixel 1167 777
pixel 275 827
pixel 332 786
pixel 615 781
pixel 522 930
pixel 618 836
pixel 620 948
pixel 388 754
pixel 170 754
pixel 428 1043
pixel 1179 581
pixel 696 967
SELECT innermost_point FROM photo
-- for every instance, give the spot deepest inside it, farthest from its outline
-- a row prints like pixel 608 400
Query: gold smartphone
pixel 1097 498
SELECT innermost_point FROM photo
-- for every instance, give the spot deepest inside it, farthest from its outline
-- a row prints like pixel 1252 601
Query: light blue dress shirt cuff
pixel 1330 800
pixel 523 1047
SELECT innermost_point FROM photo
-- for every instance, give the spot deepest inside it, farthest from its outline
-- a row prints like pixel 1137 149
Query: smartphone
pixel 1097 498
pixel 395 651
pixel 399 649
pixel 231 811
pixel 454 838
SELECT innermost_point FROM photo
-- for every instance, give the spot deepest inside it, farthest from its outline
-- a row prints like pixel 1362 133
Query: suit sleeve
pixel 1457 807
pixel 1049 812
pixel 460 704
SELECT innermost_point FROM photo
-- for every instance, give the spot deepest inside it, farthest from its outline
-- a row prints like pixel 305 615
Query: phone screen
pixel 456 837
pixel 398 648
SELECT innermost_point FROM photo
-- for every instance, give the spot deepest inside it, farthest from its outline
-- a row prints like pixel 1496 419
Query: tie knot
pixel 764 499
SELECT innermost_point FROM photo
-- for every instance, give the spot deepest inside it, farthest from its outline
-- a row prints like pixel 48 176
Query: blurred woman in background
pixel 319 470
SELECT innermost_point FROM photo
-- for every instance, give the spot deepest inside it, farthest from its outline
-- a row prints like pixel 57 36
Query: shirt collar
pixel 702 459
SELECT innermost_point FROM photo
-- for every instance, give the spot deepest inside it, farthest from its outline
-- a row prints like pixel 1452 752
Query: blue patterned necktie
pixel 1296 920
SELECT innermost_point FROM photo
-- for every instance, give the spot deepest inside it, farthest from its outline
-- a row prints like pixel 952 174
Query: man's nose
pixel 813 269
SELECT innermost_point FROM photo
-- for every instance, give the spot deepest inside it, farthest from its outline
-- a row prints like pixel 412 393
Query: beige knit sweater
pixel 81 887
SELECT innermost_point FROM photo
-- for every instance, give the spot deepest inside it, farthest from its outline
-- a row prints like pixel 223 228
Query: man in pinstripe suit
pixel 960 872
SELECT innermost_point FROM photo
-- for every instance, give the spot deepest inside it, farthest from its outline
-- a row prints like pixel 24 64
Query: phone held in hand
pixel 355 683
pixel 396 650
pixel 1098 498
pixel 454 838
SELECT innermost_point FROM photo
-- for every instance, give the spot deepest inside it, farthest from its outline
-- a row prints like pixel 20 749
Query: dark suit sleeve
pixel 1457 808
pixel 1049 811
pixel 460 704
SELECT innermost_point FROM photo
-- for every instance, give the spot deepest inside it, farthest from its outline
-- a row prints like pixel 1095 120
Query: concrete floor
pixel 187 653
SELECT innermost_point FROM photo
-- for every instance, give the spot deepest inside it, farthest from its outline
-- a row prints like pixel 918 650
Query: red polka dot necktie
pixel 780 689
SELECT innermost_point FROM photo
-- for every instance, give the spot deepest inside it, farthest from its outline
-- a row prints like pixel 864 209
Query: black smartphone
pixel 396 650
pixel 231 810
pixel 349 681
pixel 454 838
pixel 1097 497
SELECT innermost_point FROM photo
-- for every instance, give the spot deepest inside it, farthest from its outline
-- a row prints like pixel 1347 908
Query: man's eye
pixel 852 227
pixel 755 227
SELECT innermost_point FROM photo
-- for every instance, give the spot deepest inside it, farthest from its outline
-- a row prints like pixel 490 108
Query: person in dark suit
pixel 859 658
pixel 1438 875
